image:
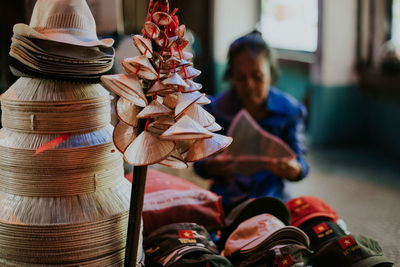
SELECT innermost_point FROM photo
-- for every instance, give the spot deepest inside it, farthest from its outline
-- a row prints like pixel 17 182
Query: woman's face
pixel 251 77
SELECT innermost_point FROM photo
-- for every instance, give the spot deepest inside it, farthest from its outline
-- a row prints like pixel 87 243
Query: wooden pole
pixel 135 210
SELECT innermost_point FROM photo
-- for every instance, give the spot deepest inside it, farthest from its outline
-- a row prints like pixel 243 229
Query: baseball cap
pixel 262 232
pixel 170 243
pixel 250 208
pixel 308 207
pixel 351 251
pixel 201 260
pixel 321 232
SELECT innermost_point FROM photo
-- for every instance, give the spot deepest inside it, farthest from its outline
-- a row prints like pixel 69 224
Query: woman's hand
pixel 221 166
pixel 289 169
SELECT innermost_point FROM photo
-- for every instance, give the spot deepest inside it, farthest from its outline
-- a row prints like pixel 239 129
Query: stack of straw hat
pixel 158 86
pixel 63 198
pixel 49 46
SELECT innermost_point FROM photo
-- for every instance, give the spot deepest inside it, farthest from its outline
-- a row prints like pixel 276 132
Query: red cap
pixel 305 208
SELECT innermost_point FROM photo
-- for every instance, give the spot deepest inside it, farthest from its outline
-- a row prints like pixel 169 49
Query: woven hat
pixel 308 207
pixel 64 21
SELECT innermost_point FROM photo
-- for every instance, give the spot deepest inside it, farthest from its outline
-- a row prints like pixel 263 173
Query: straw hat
pixel 175 80
pixel 200 115
pixel 204 148
pixel 143 45
pixel 123 136
pixel 141 66
pixel 148 149
pixel 193 86
pixel 126 86
pixel 186 129
pixel 154 109
pixel 127 111
pixel 184 101
pixel 64 21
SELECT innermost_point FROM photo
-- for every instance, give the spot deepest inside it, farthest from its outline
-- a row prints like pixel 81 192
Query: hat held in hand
pixel 64 21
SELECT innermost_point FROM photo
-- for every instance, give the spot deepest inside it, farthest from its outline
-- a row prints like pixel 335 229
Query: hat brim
pixel 314 215
pixel 372 261
pixel 59 36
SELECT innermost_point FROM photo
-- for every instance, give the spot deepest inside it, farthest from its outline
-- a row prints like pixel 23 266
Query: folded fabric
pixel 169 199
pixel 305 208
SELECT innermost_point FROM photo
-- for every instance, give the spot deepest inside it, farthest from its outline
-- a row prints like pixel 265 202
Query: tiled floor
pixel 361 186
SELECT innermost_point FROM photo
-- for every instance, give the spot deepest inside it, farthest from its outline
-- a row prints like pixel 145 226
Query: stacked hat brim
pixel 251 208
pixel 60 43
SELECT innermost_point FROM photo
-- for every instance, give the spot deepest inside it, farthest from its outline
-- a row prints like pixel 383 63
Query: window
pixel 290 24
pixel 396 23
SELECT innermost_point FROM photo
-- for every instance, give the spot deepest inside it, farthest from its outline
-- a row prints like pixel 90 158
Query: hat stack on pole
pixel 173 128
pixel 63 197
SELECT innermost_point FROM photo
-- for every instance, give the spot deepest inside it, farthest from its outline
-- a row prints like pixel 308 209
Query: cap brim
pixel 61 37
pixel 372 261
pixel 314 215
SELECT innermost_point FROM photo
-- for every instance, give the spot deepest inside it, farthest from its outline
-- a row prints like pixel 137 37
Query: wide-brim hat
pixel 64 21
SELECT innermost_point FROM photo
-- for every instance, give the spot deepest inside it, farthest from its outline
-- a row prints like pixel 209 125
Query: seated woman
pixel 251 70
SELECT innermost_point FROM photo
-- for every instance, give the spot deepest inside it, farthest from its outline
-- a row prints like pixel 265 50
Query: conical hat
pixel 185 129
pixel 190 72
pixel 143 45
pixel 200 115
pixel 127 111
pixel 215 127
pixel 148 149
pixel 159 88
pixel 183 146
pixel 141 66
pixel 177 43
pixel 171 100
pixel 185 54
pixel 126 86
pixel 162 18
pixel 175 80
pixel 203 100
pixel 68 21
pixel 123 135
pixel 204 148
pixel 151 29
pixel 193 86
pixel 154 109
pixel 180 31
pixel 165 120
pixel 184 101
pixel 162 39
pixel 175 160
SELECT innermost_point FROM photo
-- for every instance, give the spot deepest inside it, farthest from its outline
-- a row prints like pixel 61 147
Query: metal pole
pixel 135 210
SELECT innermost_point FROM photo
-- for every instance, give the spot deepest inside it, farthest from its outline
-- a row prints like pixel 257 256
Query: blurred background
pixel 340 58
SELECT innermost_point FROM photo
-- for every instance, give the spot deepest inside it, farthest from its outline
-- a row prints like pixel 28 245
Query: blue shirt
pixel 285 119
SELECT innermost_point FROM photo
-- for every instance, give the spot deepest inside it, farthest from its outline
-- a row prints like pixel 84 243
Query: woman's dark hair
pixel 253 42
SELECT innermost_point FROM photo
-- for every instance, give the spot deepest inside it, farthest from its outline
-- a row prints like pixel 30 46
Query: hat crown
pixel 72 16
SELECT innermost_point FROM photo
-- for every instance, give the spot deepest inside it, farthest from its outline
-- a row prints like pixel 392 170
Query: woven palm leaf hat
pixel 176 128
pixel 63 196
pixel 60 43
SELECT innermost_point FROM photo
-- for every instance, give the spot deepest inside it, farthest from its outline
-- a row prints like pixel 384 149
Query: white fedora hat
pixel 64 21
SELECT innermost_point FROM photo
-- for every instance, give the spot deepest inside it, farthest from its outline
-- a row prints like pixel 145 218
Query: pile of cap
pixel 158 87
pixel 182 244
pixel 63 198
pixel 260 235
pixel 60 42
pixel 332 245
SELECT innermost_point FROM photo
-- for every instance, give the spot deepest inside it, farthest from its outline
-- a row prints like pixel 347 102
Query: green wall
pixel 339 115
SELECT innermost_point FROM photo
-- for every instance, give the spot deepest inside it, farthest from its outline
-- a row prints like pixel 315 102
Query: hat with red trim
pixel 305 208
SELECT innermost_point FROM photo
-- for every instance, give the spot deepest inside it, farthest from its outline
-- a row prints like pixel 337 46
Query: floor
pixel 362 186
